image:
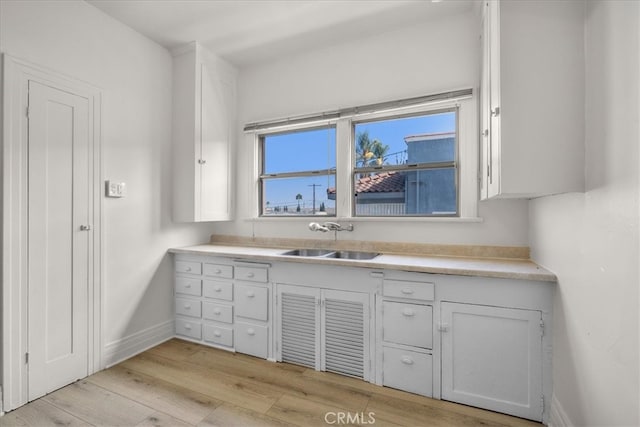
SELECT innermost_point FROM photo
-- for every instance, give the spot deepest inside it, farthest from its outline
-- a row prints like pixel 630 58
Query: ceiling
pixel 246 32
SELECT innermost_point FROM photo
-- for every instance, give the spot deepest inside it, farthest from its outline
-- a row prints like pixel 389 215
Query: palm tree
pixel 364 148
pixel 298 198
pixel 379 151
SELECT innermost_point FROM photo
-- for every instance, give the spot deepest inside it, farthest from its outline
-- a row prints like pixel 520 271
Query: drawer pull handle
pixel 217 311
pixel 217 271
pixel 188 269
pixel 251 294
pixel 187 326
pixel 407 291
pixel 188 286
pixel 407 360
pixel 217 289
pixel 407 312
pixel 187 306
pixel 217 333
pixel 251 331
pixel 250 274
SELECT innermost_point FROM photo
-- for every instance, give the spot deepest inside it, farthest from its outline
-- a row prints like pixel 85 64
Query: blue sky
pixel 315 149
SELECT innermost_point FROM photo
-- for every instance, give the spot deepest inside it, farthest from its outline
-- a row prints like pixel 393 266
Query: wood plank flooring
pixel 184 384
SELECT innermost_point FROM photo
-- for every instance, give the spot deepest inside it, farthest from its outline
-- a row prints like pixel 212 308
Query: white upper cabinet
pixel 532 99
pixel 204 93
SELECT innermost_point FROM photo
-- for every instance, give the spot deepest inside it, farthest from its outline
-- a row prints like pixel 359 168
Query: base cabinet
pixel 225 304
pixel 323 329
pixel 492 358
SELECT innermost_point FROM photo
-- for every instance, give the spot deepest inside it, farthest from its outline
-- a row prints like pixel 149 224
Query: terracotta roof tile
pixel 385 182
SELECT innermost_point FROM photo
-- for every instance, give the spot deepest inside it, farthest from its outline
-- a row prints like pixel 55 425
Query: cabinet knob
pixel 251 331
pixel 250 274
pixel 217 333
pixel 85 227
pixel 187 306
pixel 407 291
pixel 406 360
pixel 188 269
pixel 217 312
pixel 217 271
pixel 495 112
pixel 188 286
pixel 202 161
pixel 217 289
pixel 187 326
pixel 250 294
pixel 407 312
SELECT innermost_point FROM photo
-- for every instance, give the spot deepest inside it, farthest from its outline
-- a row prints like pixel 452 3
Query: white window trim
pixel 467 159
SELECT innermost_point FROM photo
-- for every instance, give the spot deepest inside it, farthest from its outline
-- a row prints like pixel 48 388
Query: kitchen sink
pixel 353 255
pixel 327 253
pixel 308 252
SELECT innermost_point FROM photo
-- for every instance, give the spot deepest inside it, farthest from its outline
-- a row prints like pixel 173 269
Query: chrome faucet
pixel 333 226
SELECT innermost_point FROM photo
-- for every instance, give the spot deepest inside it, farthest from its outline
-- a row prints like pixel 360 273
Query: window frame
pixel 262 176
pixel 467 161
pixel 409 167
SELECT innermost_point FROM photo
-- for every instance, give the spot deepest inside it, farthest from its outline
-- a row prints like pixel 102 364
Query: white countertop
pixel 461 266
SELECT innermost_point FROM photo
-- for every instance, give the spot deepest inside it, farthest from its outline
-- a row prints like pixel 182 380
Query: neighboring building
pixel 425 192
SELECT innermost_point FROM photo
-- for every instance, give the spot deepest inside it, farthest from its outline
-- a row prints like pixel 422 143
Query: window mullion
pixel 344 168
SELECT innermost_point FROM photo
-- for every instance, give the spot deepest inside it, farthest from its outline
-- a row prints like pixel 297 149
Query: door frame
pixel 16 74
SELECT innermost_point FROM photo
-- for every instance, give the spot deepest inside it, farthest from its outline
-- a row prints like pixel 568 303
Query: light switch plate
pixel 115 189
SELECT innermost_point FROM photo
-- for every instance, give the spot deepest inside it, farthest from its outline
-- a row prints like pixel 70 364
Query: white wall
pixel 76 39
pixel 591 240
pixel 419 60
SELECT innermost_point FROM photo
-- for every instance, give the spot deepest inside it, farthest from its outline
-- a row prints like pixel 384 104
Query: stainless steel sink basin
pixel 353 255
pixel 308 252
pixel 328 253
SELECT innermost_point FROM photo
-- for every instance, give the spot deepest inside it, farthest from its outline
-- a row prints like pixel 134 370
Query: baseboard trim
pixel 557 416
pixel 124 348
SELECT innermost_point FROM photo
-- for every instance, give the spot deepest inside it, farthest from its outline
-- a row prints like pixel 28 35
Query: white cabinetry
pixel 324 329
pixel 204 91
pixel 407 335
pixel 492 358
pixel 532 98
pixel 216 305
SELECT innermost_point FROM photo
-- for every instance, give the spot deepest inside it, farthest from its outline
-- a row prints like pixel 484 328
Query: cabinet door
pixel 345 333
pixel 298 325
pixel 492 358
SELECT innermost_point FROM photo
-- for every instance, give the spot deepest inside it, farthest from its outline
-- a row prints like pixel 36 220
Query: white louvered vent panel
pixel 299 329
pixel 344 337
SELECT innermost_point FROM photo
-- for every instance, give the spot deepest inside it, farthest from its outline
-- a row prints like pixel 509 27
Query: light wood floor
pixel 183 384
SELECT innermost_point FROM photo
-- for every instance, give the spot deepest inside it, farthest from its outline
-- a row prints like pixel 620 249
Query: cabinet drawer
pixel 188 307
pixel 409 324
pixel 218 335
pixel 188 328
pixel 252 339
pixel 218 270
pixel 217 312
pixel 406 289
pixel 252 302
pixel 188 286
pixel 219 290
pixel 188 267
pixel 252 274
pixel 408 370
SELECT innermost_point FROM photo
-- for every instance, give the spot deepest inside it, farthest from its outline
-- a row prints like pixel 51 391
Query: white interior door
pixel 58 245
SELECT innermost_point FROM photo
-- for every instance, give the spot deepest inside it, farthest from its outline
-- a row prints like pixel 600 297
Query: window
pixel 297 169
pixel 401 159
pixel 406 165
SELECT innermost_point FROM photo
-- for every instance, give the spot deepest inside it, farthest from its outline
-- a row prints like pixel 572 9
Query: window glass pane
pixel 427 192
pixel 299 196
pixel 298 151
pixel 427 138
